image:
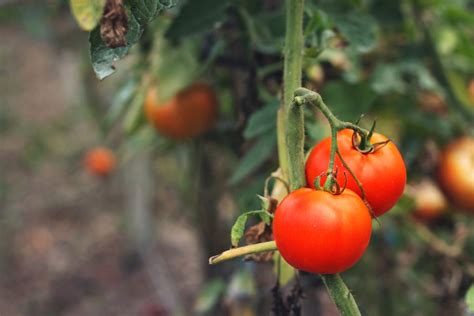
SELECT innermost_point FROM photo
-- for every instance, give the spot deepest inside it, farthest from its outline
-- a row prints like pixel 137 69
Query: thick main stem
pixel 291 121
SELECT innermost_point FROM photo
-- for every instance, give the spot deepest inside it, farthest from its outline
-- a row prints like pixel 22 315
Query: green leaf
pixel 134 115
pixel 282 269
pixel 359 29
pixel 264 31
pixel 262 120
pixel 398 77
pixel 145 10
pixel 238 228
pixel 209 296
pixel 103 57
pixel 348 101
pixel 196 17
pixel 260 152
pixel 87 12
pixel 120 101
pixel 139 12
pixel 470 299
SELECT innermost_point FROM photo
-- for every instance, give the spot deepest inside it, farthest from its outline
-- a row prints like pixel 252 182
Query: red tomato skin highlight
pixel 382 173
pixel 318 232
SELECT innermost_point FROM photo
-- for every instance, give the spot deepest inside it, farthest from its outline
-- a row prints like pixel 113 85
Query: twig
pixel 242 251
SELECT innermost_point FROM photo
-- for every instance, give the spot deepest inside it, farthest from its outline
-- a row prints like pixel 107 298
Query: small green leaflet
pixel 87 12
pixel 470 299
pixel 238 229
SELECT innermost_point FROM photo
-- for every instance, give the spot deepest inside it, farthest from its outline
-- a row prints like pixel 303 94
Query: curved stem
pixel 306 96
pixel 242 251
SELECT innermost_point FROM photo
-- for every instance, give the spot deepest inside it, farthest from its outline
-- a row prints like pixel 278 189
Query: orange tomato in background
pixel 430 202
pixel 456 172
pixel 191 112
pixel 100 161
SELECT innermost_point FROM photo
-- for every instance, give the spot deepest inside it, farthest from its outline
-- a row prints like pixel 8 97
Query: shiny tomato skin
pixel 318 232
pixel 100 161
pixel 188 114
pixel 456 172
pixel 382 173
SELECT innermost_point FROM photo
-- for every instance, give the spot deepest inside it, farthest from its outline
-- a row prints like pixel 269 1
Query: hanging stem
pixel 304 96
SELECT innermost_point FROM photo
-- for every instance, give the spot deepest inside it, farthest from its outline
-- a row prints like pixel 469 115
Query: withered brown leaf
pixel 256 234
pixel 114 24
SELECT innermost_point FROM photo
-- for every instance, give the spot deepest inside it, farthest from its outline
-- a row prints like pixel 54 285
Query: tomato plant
pixel 100 161
pixel 188 114
pixel 456 172
pixel 382 172
pixel 319 232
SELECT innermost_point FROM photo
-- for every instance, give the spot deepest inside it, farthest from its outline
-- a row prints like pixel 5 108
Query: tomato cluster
pixel 326 232
pixel 188 114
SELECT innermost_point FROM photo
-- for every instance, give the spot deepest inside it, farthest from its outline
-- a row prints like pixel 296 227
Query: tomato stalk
pixel 291 133
pixel 290 123
pixel 304 96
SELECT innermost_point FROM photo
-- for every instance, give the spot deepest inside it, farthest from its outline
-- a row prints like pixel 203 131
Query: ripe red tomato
pixel 318 232
pixel 456 172
pixel 430 202
pixel 189 113
pixel 382 173
pixel 100 161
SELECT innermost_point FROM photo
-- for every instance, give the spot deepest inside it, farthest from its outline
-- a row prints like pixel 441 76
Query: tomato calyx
pixel 334 187
pixel 363 145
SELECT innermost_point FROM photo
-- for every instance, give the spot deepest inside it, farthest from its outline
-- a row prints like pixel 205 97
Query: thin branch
pixel 242 251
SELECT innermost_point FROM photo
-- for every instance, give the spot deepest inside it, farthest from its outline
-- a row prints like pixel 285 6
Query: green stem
pixel 290 120
pixel 305 96
pixel 332 157
pixel 242 251
pixel 341 295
